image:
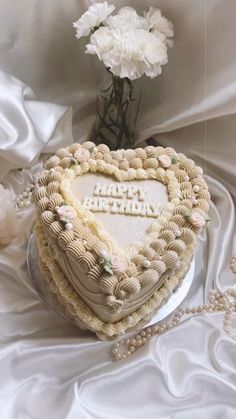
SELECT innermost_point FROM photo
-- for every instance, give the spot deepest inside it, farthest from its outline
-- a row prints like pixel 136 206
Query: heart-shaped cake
pixel 116 231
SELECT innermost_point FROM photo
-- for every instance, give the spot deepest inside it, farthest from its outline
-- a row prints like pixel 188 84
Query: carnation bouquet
pixel 130 46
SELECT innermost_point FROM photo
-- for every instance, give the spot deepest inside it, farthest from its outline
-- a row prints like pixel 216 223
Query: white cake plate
pixel 48 297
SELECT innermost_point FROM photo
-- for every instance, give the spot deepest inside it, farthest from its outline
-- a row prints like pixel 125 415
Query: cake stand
pixel 48 297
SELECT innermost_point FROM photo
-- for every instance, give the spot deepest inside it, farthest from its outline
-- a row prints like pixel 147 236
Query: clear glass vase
pixel 118 104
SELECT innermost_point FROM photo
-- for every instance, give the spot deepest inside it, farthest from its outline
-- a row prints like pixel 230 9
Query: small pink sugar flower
pixel 164 160
pixel 82 154
pixel 118 264
pixel 197 219
pixel 66 212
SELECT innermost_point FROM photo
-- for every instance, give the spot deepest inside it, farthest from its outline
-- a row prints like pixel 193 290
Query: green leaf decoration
pixel 174 160
pixel 107 259
pixel 108 269
pixel 187 215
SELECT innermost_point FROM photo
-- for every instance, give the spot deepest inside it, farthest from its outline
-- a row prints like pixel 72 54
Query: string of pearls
pixel 217 302
pixel 24 199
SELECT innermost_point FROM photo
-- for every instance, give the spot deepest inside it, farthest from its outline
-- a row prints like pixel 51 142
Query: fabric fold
pixel 28 127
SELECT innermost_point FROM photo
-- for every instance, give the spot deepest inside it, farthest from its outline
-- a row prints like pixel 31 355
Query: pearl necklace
pixel 217 302
pixel 25 198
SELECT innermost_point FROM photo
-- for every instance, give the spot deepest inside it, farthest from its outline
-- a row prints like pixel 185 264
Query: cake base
pixel 48 297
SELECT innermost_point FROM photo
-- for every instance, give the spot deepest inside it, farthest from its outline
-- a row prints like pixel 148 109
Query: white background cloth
pixel 50 369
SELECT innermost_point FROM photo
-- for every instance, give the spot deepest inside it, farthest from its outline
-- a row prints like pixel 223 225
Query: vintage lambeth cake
pixel 116 231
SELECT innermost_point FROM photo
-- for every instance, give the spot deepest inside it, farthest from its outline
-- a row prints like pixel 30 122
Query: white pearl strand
pixel 24 199
pixel 217 302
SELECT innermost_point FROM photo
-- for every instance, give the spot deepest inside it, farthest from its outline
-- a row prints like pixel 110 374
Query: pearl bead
pixel 154 329
pixel 196 188
pixel 103 253
pixel 132 348
pixel 178 233
pixel 149 330
pixel 146 264
pixel 114 350
pixel 186 178
pixel 144 340
pixel 69 226
pixel 143 333
pixel 133 342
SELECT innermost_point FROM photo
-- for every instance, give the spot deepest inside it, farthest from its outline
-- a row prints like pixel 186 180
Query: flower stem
pixel 113 109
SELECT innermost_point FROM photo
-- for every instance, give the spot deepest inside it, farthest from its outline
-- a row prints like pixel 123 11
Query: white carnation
pixel 129 53
pixel 128 44
pixel 100 42
pixel 126 18
pixel 92 18
pixel 159 25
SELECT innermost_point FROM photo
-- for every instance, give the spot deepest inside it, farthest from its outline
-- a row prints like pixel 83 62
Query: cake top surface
pixel 125 209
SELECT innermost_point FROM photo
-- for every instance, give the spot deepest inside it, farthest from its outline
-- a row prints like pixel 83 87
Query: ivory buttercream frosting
pixel 116 231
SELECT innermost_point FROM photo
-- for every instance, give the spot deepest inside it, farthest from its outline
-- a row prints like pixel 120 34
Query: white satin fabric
pixel 28 127
pixel 50 369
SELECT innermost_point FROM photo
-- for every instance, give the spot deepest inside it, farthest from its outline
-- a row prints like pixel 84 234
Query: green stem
pixel 113 113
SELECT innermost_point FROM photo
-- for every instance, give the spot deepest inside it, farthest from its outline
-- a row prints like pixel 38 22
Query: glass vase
pixel 118 104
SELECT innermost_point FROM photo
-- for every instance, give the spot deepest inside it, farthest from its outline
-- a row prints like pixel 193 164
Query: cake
pixel 116 231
